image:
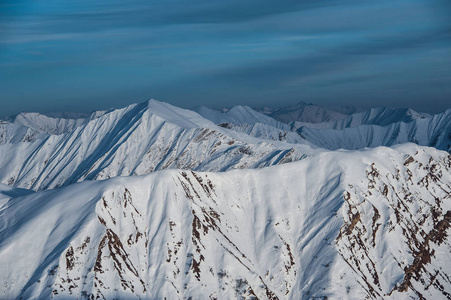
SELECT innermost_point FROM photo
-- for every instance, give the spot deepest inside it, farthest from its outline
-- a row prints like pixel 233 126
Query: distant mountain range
pixel 339 129
pixel 308 113
pixel 152 201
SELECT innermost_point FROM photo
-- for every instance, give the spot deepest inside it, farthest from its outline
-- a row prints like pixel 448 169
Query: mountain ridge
pixel 270 233
pixel 152 201
pixel 137 140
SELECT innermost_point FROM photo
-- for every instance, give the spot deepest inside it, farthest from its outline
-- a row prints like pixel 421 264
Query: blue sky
pixel 70 55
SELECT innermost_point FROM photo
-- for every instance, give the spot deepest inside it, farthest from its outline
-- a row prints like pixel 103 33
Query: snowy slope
pixel 382 116
pixel 54 123
pixel 268 132
pixel 432 131
pixel 342 225
pixel 371 128
pixel 239 115
pixel 16 133
pixel 247 120
pixel 137 140
pixel 30 127
pixel 307 113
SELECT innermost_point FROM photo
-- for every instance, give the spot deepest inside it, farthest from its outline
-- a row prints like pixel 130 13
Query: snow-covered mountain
pixel 54 123
pixel 382 116
pixel 137 140
pixel 433 131
pixel 308 113
pixel 371 128
pixel 16 133
pixel 339 225
pixel 29 127
pixel 239 115
pixel 250 210
pixel 247 120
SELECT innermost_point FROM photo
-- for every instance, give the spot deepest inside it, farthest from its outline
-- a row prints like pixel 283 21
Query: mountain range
pixel 152 201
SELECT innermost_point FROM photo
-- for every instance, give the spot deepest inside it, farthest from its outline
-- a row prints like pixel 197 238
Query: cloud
pixel 337 58
pixel 251 49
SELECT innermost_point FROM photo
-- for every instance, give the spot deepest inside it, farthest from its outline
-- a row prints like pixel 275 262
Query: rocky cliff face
pixel 395 235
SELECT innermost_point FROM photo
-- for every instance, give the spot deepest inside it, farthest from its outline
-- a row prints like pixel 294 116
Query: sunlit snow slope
pixel 342 225
pixel 137 140
pixel 16 133
pixel 55 123
pixel 247 120
pixel 29 127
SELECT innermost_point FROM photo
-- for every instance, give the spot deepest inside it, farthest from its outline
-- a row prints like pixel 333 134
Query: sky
pixel 80 55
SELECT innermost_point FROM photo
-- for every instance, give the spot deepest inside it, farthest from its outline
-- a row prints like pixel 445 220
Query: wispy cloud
pixel 177 50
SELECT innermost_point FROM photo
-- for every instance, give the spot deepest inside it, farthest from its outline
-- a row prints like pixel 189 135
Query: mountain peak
pixel 178 116
pixel 249 209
